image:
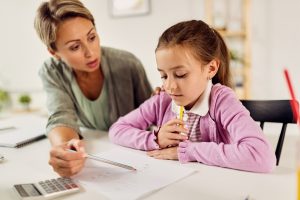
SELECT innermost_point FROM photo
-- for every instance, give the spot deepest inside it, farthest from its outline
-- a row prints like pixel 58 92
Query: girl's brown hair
pixel 51 13
pixel 204 42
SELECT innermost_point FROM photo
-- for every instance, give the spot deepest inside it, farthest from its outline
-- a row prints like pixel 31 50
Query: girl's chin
pixel 179 103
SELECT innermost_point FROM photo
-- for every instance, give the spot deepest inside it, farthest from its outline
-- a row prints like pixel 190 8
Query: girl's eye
pixel 163 77
pixel 181 75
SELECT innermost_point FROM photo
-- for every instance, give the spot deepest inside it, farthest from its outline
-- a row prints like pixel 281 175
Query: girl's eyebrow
pixel 79 39
pixel 172 68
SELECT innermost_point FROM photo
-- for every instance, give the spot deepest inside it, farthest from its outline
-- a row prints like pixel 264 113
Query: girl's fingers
pixel 176 136
pixel 174 122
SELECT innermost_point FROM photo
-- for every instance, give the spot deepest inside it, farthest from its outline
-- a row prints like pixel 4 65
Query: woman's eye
pixel 74 48
pixel 92 38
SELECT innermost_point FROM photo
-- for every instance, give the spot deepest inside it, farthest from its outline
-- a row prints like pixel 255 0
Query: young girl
pixel 216 129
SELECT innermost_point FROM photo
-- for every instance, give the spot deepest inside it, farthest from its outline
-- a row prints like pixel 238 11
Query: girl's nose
pixel 170 85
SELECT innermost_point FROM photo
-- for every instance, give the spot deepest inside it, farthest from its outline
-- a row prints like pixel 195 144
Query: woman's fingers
pixel 64 162
pixel 77 145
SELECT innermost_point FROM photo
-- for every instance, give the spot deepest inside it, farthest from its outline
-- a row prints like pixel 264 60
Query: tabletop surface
pixel 30 164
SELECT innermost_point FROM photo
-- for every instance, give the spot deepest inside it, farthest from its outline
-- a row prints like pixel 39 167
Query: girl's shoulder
pixel 218 91
pixel 162 99
pixel 221 97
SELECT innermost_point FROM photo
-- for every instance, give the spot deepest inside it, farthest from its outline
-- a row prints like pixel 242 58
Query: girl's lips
pixel 175 96
pixel 93 63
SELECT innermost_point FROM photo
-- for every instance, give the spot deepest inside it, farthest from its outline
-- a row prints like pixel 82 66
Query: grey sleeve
pixel 142 87
pixel 60 106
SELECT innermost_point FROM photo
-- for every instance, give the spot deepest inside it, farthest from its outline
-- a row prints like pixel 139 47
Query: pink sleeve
pixel 131 129
pixel 247 149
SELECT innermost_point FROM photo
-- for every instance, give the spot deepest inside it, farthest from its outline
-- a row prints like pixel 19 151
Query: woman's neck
pixel 90 83
pixel 87 76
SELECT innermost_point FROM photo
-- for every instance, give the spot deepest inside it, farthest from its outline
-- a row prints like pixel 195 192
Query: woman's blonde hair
pixel 51 13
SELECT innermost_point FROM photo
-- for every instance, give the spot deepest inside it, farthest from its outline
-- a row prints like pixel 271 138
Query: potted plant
pixel 4 99
pixel 25 101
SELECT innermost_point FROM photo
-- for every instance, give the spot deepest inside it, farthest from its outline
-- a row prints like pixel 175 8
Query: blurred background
pixel 263 37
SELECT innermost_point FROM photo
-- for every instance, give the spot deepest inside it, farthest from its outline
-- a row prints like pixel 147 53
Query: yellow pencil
pixel 181 113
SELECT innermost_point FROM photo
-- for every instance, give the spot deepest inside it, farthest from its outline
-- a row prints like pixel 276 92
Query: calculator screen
pixel 27 190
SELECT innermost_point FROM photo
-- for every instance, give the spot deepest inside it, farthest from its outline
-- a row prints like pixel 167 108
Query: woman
pixel 86 84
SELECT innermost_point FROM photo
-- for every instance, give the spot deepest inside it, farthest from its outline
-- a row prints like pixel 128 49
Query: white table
pixel 30 164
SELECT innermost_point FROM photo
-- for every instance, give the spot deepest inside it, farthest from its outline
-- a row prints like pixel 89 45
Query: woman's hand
pixel 157 90
pixel 164 154
pixel 67 163
pixel 168 135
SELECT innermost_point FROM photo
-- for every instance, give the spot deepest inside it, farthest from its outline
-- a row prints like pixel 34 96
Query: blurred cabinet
pixel 232 19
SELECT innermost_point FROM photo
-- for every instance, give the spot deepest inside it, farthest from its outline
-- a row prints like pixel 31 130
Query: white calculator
pixel 47 189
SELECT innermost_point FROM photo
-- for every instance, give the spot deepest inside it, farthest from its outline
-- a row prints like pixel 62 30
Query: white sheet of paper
pixel 117 183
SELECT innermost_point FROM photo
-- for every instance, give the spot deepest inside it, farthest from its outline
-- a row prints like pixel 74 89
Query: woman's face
pixel 78 44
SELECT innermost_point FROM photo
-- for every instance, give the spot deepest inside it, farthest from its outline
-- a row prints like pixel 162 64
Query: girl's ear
pixel 213 68
pixel 53 53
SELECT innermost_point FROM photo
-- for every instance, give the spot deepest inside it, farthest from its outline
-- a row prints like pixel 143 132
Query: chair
pixel 277 111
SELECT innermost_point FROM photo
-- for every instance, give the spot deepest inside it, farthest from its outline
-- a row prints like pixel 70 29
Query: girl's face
pixel 78 44
pixel 184 77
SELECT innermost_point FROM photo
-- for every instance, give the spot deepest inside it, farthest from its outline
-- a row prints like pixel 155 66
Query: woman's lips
pixel 93 64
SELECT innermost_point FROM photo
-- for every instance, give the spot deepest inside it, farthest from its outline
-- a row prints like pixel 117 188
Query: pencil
pixel 293 101
pixel 181 113
pixel 93 157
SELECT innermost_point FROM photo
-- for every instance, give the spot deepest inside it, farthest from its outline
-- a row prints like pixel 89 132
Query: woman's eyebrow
pixel 75 40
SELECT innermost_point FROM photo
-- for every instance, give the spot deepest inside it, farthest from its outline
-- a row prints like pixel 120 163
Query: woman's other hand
pixel 157 90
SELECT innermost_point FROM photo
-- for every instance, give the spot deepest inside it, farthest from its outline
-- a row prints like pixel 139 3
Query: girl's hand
pixel 168 135
pixel 165 154
pixel 67 163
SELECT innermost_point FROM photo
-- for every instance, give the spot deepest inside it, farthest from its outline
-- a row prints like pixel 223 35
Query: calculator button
pixel 21 190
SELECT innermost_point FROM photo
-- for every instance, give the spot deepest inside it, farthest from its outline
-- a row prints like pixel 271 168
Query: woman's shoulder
pixel 51 64
pixel 54 68
pixel 119 56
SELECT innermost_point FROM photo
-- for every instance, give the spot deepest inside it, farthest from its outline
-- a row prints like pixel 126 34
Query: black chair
pixel 277 111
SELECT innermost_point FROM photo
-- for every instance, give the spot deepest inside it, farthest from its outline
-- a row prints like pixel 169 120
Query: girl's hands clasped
pixel 67 163
pixel 169 134
pixel 164 154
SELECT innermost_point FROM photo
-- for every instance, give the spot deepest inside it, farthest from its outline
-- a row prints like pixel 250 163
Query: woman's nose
pixel 87 51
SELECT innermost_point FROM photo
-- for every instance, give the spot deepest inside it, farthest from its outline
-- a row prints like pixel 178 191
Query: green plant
pixel 234 56
pixel 25 99
pixel 4 99
pixel 4 96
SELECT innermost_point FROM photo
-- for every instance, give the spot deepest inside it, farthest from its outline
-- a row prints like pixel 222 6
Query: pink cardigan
pixel 230 137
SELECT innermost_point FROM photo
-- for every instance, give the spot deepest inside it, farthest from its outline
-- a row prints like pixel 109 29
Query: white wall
pixel 274 27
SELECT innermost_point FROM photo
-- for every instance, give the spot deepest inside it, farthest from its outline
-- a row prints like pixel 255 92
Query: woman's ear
pixel 54 54
pixel 213 68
